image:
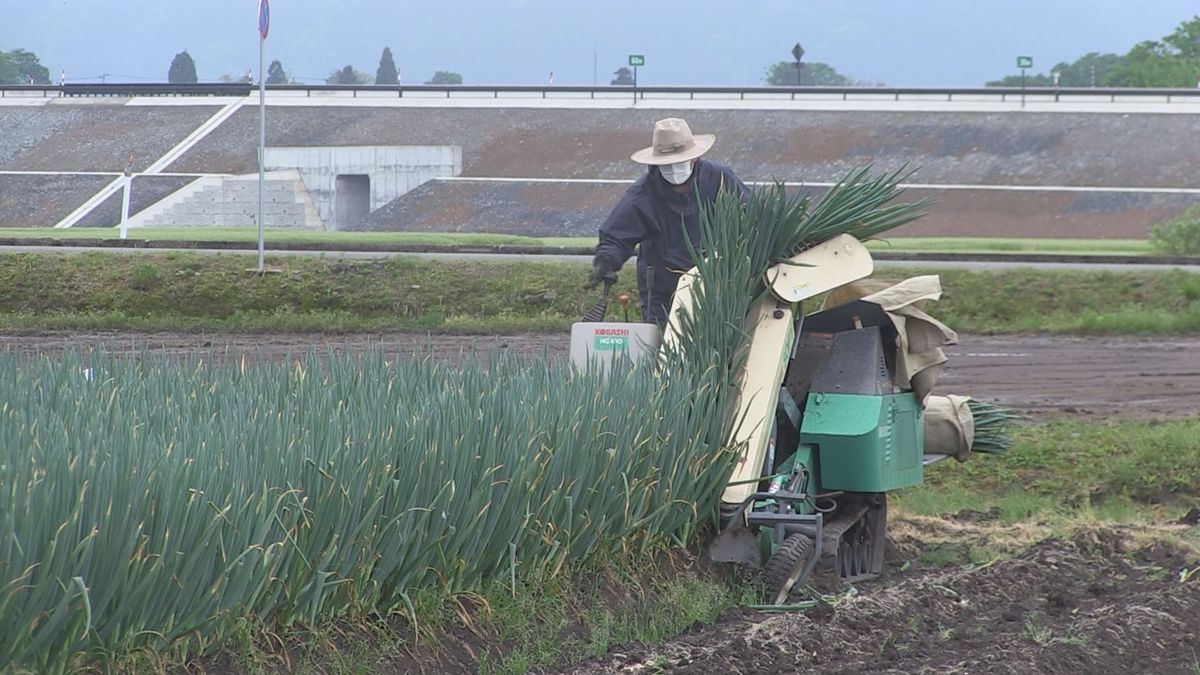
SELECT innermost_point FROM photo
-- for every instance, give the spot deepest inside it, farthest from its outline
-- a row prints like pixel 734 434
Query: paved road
pixel 583 259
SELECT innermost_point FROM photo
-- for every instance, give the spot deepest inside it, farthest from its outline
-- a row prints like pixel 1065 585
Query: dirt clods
pixel 1059 607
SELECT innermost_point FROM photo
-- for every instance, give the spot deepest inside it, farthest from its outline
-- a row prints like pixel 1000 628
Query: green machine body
pixel 865 443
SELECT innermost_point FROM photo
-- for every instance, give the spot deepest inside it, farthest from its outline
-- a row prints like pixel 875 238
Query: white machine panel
pixel 822 268
pixel 608 341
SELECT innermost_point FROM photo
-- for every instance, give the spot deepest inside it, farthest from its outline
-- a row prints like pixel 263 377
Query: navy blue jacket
pixel 661 219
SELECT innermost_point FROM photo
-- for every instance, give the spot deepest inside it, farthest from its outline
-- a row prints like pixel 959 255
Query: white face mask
pixel 678 173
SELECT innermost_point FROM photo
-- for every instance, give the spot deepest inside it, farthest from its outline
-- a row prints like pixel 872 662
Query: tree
pixel 623 76
pixel 1031 80
pixel 8 72
pixel 1173 61
pixel 183 69
pixel 1155 64
pixel 1179 235
pixel 348 75
pixel 386 73
pixel 445 77
pixel 816 74
pixel 1089 70
pixel 29 68
pixel 276 74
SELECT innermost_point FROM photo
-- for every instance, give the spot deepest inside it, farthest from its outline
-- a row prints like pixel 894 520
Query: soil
pixel 1043 376
pixel 1086 606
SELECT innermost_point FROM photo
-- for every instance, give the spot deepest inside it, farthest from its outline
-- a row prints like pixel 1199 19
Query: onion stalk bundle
pixel 994 427
pixel 741 242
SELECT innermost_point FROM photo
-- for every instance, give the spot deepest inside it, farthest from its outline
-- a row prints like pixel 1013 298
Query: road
pixel 523 257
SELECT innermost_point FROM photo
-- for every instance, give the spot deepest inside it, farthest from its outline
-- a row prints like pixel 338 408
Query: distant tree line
pixel 1089 70
pixel 1172 62
pixel 386 74
pixel 183 71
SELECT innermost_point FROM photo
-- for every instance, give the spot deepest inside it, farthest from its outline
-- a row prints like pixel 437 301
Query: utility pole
pixel 264 23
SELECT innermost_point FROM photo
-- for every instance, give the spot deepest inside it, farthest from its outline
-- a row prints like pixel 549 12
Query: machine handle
pixel 598 310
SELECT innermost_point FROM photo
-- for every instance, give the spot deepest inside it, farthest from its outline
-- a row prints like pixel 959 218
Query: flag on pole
pixel 264 17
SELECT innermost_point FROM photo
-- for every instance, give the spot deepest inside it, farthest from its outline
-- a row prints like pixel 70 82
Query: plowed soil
pixel 1085 606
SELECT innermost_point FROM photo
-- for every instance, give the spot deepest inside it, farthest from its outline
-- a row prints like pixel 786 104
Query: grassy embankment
pixel 185 291
pixel 1133 247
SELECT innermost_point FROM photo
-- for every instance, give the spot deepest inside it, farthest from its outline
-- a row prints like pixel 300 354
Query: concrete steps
pixel 171 155
pixel 218 201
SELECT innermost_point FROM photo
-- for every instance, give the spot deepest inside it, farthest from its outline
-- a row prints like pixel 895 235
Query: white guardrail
pixel 950 94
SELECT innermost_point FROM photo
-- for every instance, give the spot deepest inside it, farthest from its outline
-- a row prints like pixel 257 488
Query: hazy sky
pixel 897 42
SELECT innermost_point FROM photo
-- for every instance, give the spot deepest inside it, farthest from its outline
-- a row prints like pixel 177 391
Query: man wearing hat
pixel 661 212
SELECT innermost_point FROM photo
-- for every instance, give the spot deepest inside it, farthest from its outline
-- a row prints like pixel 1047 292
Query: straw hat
pixel 673 143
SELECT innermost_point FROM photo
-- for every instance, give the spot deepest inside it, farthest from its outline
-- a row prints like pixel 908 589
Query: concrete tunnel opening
pixel 352 199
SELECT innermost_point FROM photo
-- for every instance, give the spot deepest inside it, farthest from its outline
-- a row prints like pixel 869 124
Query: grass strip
pixel 1121 470
pixel 1132 247
pixel 350 239
pixel 200 292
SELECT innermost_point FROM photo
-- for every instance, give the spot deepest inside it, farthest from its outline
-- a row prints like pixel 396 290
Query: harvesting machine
pixel 832 413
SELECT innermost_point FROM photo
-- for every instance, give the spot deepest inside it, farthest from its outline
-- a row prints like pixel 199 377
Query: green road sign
pixel 636 60
pixel 1024 61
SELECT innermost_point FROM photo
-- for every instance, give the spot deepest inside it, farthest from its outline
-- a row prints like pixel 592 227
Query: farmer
pixel 658 211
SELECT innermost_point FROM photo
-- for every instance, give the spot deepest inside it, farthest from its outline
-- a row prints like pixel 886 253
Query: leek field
pixel 154 505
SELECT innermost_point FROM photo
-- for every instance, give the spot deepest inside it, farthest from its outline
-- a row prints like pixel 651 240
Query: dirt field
pixel 1041 375
pixel 1084 606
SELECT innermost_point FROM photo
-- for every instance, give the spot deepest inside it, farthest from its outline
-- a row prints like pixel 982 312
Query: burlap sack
pixel 949 426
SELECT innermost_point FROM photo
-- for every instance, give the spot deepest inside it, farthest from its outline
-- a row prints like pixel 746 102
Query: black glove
pixel 603 270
